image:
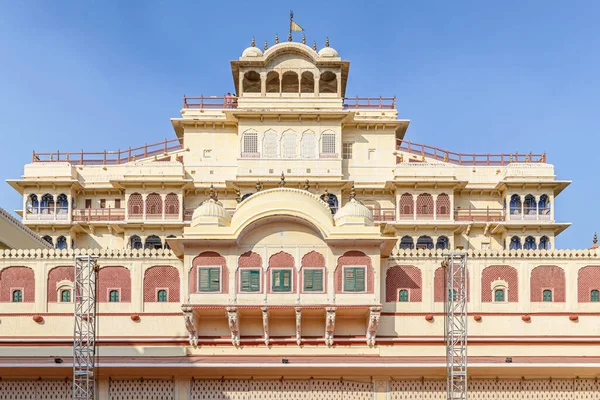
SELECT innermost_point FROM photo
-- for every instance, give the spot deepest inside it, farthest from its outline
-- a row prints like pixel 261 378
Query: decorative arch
pixel 354 258
pixel 332 202
pixel 515 243
pixel 278 260
pixel 544 205
pixel 251 82
pixel 328 144
pixel 313 259
pixel 544 243
pixel 530 243
pixel 424 205
pixel 270 145
pixel 290 82
pixel 32 205
pixel 288 144
pixel 309 144
pixel 135 242
pixel 47 206
pixel 328 82
pixel 588 279
pixel 48 239
pixel 407 243
pixel 61 243
pixel 135 205
pixel 22 278
pixel 62 204
pixel 442 206
pixel 250 259
pixel 425 242
pixel 504 273
pixel 515 204
pixel 307 82
pixel 407 206
pixel 55 276
pixel 439 285
pixel 209 258
pixel 154 206
pixel 153 242
pixel 273 82
pixel 403 277
pixel 547 277
pixel 161 277
pixel 172 204
pixel 249 144
pixel 114 278
pixel 442 243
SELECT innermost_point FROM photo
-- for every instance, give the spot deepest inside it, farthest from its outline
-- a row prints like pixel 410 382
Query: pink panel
pixel 209 258
pixel 548 277
pixel 163 277
pixel 114 278
pixel 56 275
pixel 403 277
pixel 499 272
pixel 17 278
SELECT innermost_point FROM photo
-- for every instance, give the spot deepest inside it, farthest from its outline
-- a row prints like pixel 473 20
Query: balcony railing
pixel 98 214
pixel 530 213
pixel 224 102
pixel 47 214
pixel 209 102
pixel 466 159
pixel 479 214
pixel 360 103
pixel 111 157
pixel 384 214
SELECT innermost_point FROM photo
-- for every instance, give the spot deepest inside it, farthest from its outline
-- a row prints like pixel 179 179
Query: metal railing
pixel 98 214
pixel 479 214
pixel 50 213
pixel 209 102
pixel 358 103
pixel 225 102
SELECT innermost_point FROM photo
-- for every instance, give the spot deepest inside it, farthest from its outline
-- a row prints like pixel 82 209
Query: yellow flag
pixel 295 27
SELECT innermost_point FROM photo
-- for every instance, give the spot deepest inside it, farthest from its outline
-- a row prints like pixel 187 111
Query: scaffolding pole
pixel 455 327
pixel 84 333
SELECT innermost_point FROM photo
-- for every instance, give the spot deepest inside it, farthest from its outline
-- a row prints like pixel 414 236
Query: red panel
pixel 17 278
pixel 439 295
pixel 172 204
pixel 114 278
pixel 56 275
pixel 403 277
pixel 282 260
pixel 135 204
pixel 499 272
pixel 425 204
pixel 548 277
pixel 442 204
pixel 354 258
pixel 163 277
pixel 407 204
pixel 313 259
pixel 209 258
pixel 153 204
pixel 588 279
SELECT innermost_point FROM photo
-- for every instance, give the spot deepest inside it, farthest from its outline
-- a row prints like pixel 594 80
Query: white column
pixel 435 199
pixel 69 208
pixel 181 210
pixel 163 198
pixel 55 197
pixel 144 205
pixel 182 388
pixel 414 207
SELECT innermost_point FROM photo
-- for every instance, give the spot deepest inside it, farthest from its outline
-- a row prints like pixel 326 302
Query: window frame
pixel 260 280
pixel 366 285
pixel 544 290
pixel 12 294
pixel 322 150
pixel 209 267
pixel 280 270
pixel 60 294
pixel 158 290
pixel 109 291
pixel 592 293
pixel 504 294
pixel 323 280
pixel 400 290
pixel 347 146
pixel 244 152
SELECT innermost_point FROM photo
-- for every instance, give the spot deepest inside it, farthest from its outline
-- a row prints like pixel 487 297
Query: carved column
pixel 329 325
pixel 374 314
pixel 298 325
pixel 265 320
pixel 233 321
pixel 188 317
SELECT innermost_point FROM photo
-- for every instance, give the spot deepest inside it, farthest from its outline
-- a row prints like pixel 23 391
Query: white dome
pixel 252 52
pixel 209 212
pixel 353 212
pixel 328 52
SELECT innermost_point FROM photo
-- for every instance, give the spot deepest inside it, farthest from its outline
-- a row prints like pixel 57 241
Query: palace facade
pixel 287 244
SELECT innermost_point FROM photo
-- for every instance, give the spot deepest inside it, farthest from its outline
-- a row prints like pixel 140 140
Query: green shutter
pixel 113 296
pixel 547 295
pixel 17 296
pixel 65 296
pixel 282 280
pixel 360 279
pixel 499 295
pixel 403 297
pixel 162 296
pixel 595 296
pixel 349 279
pixel 317 280
pixel 254 280
pixel 215 281
pixel 245 276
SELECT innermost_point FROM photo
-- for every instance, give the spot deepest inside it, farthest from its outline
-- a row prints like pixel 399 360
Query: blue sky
pixel 472 76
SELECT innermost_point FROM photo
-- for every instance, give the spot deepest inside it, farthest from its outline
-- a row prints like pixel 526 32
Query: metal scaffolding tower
pixel 84 333
pixel 455 332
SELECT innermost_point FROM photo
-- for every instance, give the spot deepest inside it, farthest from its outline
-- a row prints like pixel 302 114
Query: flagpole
pixel 291 19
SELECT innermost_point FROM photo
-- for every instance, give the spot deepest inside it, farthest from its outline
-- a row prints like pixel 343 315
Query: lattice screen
pixel 442 205
pixel 141 390
pixel 35 390
pixel 135 204
pixel 154 204
pixel 172 204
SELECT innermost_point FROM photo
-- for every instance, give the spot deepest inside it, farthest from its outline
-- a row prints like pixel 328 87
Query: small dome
pixel 354 212
pixel 328 52
pixel 210 211
pixel 252 52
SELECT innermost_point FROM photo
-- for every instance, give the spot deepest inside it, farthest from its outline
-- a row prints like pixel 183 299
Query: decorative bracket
pixel 374 314
pixel 188 317
pixel 329 325
pixel 298 326
pixel 233 320
pixel 265 320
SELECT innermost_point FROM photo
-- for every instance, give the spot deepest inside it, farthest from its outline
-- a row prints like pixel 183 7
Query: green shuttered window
pixel 17 296
pixel 499 295
pixel 113 296
pixel 250 280
pixel 354 279
pixel 281 280
pixel 547 295
pixel 313 280
pixel 162 296
pixel 403 296
pixel 65 296
pixel 594 296
pixel 209 279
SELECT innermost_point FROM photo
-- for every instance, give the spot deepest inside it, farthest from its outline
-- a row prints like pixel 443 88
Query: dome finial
pixel 266 46
pixel 303 39
pixel 306 185
pixel 315 45
pixel 276 39
pixel 327 42
pixel 282 180
pixel 595 238
pixel 253 44
pixel 290 37
pixel 213 193
pixel 352 192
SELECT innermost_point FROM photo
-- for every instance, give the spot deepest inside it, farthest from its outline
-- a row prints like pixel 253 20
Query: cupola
pixel 210 212
pixel 252 51
pixel 354 212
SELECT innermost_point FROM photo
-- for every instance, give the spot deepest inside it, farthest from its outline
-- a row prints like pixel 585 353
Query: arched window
pixel 309 145
pixel 442 205
pixel 172 204
pixel 17 296
pixel 61 243
pixel 442 243
pixel 547 295
pixel 65 296
pixel 250 144
pixel 544 205
pixel 288 143
pixel 328 82
pixel 63 204
pixel 499 295
pixel 530 243
pixel 270 145
pixel 272 82
pixel 407 206
pixel 424 206
pixel 424 242
pixel 47 204
pixel 328 144
pixel 153 242
pixel 515 243
pixel 515 204
pixel 244 197
pixel 251 82
pixel 161 296
pixel 154 206
pixel 289 82
pixel 403 296
pixel 529 205
pixel 135 205
pixel 406 243
pixel 307 82
pixel 595 296
pixel 32 204
pixel 113 296
pixel 48 239
pixel 544 243
pixel 331 201
pixel 135 242
pixel 452 294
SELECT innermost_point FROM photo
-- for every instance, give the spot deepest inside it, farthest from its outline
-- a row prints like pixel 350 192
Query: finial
pixel 253 42
pixel 303 39
pixel 352 192
pixel 238 195
pixel 595 238
pixel 258 186
pixel 290 37
pixel 213 193
pixel 315 45
pixel 276 39
pixel 327 42
pixel 544 157
pixel 306 185
pixel 266 46
pixel 282 180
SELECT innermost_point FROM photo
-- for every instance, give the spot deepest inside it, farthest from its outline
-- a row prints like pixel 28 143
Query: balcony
pixel 47 214
pixel 99 215
pixel 384 214
pixel 530 214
